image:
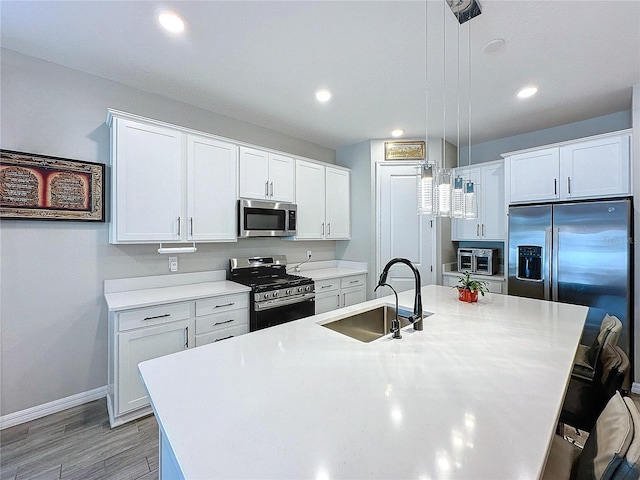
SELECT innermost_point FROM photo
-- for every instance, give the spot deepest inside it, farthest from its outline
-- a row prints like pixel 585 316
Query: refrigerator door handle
pixel 554 264
pixel 546 268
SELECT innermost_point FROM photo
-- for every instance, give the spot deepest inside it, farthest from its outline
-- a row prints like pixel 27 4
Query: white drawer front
pixel 208 306
pixel 222 334
pixel 145 317
pixel 354 281
pixel 327 285
pixel 221 320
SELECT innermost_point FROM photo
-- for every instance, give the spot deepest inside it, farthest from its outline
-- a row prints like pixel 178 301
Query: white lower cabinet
pixel 137 346
pixel 140 334
pixel 334 293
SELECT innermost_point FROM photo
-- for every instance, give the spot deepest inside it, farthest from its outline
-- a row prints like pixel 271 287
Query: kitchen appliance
pixel 258 218
pixel 481 261
pixel 276 296
pixel 577 253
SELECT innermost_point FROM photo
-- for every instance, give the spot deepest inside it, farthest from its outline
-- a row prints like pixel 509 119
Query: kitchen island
pixel 476 395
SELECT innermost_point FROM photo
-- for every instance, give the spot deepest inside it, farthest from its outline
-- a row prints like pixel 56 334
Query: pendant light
pixel 425 188
pixel 470 197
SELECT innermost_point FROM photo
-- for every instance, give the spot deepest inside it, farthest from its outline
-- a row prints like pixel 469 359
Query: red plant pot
pixel 467 295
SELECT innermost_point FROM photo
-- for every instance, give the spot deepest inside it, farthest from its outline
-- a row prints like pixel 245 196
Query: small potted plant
pixel 468 288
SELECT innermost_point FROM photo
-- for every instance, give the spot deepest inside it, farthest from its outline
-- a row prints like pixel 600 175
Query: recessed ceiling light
pixel 323 95
pixel 171 21
pixel 527 92
pixel 397 132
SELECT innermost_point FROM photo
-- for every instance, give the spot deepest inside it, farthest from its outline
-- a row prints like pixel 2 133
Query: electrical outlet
pixel 308 253
pixel 173 264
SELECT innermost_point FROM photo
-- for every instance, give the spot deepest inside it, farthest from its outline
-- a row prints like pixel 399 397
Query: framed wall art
pixel 404 150
pixel 38 187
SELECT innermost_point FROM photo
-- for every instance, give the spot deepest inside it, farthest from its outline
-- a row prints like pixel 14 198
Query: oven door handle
pixel 269 304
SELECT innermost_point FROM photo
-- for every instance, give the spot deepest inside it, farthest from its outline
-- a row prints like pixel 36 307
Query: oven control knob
pixel 307 288
pixel 266 295
pixel 301 289
pixel 288 291
pixel 275 294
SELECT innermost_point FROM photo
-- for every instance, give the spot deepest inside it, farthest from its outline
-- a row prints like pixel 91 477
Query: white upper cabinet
pixel 310 193
pixel 266 176
pixel 590 168
pixel 488 179
pixel 212 191
pixel 323 199
pixel 169 185
pixel 337 204
pixel 595 168
pixel 147 173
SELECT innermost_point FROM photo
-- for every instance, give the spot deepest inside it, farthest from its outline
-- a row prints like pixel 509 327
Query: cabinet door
pixel 281 178
pixel 327 301
pixel 469 229
pixel 338 204
pixel 254 173
pixel 147 183
pixel 137 346
pixel 211 197
pixel 353 296
pixel 595 168
pixel 310 192
pixel 534 176
pixel 492 206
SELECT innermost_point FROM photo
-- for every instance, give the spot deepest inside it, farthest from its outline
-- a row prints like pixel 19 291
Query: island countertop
pixel 474 395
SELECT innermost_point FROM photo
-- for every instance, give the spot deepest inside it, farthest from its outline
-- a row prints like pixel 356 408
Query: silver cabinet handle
pixel 329 229
pixel 569 185
pixel 325 286
pixel 223 338
pixel 225 305
pixel 222 323
pixel 483 229
pixel 354 281
pixel 158 316
pixel 191 225
pixel 322 228
pixel 266 189
pixel 477 229
pixel 271 189
pixel 344 299
pixel 186 343
pixel 179 227
pixel 555 186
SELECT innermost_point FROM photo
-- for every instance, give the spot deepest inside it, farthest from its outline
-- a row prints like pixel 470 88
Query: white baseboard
pixel 635 388
pixel 45 409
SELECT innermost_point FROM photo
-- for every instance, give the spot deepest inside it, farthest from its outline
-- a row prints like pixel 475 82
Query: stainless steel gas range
pixel 276 296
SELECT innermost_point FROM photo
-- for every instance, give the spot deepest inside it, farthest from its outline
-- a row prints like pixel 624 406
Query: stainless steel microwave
pixel 257 218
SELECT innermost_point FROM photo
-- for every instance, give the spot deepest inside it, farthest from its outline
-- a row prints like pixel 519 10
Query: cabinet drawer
pixel 145 317
pixel 327 285
pixel 354 281
pixel 222 334
pixel 221 304
pixel 221 320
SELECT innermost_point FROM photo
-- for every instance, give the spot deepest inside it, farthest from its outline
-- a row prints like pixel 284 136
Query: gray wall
pixel 53 320
pixel 489 151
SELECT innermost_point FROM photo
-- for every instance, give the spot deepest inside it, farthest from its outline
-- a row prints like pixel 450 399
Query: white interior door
pixel 401 231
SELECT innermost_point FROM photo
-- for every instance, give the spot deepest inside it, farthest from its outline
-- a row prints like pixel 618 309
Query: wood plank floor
pixel 78 443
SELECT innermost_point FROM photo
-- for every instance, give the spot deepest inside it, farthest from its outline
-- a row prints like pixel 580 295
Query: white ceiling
pixel 261 62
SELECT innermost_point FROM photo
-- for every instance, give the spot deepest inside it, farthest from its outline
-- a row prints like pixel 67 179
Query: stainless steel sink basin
pixel 370 325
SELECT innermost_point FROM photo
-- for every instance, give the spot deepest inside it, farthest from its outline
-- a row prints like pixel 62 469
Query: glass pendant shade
pixel 470 201
pixel 425 189
pixel 443 192
pixel 457 198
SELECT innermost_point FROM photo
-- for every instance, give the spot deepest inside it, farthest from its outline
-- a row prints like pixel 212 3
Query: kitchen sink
pixel 370 325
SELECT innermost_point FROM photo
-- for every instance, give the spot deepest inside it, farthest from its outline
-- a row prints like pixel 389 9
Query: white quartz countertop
pixel 476 395
pixel 176 293
pixel 333 272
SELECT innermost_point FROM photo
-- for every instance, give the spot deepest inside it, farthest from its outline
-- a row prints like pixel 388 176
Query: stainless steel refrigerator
pixel 577 253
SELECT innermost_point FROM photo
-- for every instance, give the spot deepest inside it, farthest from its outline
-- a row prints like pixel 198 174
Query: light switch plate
pixel 173 264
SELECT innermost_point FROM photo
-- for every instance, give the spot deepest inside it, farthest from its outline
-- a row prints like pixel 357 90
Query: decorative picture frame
pixel 40 187
pixel 405 150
